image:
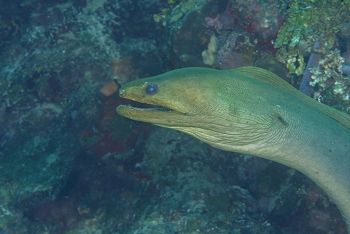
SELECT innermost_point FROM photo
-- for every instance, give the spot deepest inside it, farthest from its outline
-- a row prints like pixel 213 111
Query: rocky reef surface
pixel 70 164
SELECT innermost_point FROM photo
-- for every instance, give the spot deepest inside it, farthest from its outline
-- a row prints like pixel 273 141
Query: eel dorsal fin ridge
pixel 275 81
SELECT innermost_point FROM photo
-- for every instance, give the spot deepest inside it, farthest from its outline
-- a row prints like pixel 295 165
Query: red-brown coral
pixel 109 89
pixel 123 70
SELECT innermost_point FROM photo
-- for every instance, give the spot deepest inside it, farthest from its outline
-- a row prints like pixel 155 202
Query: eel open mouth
pixel 148 108
pixel 154 108
pixel 153 114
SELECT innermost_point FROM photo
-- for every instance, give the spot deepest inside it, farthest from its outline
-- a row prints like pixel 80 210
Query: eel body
pixel 251 111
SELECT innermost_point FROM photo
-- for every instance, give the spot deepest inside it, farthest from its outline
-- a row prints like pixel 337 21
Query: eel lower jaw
pixel 147 114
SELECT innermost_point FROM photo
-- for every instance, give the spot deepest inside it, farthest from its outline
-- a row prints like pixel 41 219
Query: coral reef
pixel 56 57
pixel 230 50
pixel 314 60
pixel 306 24
pixel 287 30
pixel 205 190
pixel 244 30
pixel 69 164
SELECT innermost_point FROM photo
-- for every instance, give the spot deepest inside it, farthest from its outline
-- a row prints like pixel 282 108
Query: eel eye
pixel 151 89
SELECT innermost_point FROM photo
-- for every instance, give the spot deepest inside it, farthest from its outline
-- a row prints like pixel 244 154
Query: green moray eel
pixel 251 111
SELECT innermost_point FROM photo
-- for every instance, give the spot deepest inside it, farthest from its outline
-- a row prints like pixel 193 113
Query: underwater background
pixel 70 164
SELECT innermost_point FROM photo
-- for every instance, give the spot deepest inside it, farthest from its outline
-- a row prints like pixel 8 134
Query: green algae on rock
pixel 309 21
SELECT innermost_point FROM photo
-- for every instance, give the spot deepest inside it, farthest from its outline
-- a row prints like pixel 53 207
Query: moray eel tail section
pixel 251 111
